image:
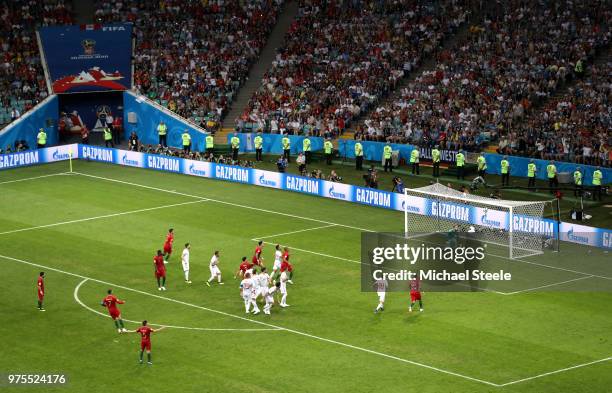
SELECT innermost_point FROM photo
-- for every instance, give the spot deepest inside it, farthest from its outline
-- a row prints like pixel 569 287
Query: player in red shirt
pixel 168 244
pixel 286 266
pixel 257 258
pixel 244 266
pixel 41 290
pixel 160 270
pixel 145 340
pixel 415 294
pixel 110 302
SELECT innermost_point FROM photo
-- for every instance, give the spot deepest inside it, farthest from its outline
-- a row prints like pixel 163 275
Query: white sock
pixel 284 299
pixel 211 278
pixel 219 278
pixel 247 305
pixel 380 305
pixel 254 303
pixel 186 275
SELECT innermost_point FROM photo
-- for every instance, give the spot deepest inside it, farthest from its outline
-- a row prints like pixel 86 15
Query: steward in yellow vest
pixel 435 158
pixel 358 156
pixel 41 138
pixel 329 151
pixel 258 147
pixel 387 154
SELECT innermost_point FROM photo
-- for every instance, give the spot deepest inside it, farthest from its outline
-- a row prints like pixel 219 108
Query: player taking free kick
pixel 160 270
pixel 145 340
pixel 110 302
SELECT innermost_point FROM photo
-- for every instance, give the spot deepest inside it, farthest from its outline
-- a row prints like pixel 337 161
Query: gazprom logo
pixel 335 194
pixel 197 172
pixel 57 155
pixel 576 238
pixel 264 182
pixel 410 208
pixel 126 161
pixel 492 223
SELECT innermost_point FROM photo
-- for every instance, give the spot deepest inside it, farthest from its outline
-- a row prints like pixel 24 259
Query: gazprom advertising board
pixel 581 234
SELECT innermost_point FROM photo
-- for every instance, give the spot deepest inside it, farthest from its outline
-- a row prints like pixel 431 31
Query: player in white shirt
pixel 255 279
pixel 381 289
pixel 185 262
pixel 283 289
pixel 264 281
pixel 246 291
pixel 214 269
pixel 270 298
pixel 278 257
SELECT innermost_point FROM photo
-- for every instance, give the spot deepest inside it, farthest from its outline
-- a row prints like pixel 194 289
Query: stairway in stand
pixel 267 55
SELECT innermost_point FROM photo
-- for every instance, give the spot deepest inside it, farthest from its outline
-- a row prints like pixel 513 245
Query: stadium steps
pixel 268 53
pixel 221 136
pixel 428 63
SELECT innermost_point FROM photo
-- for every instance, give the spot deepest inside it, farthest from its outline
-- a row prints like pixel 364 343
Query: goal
pixel 517 227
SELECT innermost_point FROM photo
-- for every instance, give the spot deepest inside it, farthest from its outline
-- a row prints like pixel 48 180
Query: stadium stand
pixel 512 62
pixel 192 56
pixel 22 80
pixel 340 58
pixel 573 127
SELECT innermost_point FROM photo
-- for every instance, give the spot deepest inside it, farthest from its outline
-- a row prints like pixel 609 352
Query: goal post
pixel 517 227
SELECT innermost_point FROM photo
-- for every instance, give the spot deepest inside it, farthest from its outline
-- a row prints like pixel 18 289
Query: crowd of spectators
pixel 573 127
pixel 340 57
pixel 192 56
pixel 22 80
pixel 484 88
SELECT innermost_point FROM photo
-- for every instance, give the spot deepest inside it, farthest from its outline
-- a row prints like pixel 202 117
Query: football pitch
pixel 99 227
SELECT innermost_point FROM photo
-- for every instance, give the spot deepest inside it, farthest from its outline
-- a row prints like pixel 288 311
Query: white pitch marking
pixel 298 231
pixel 549 285
pixel 32 178
pixel 297 332
pixel 226 202
pixel 76 297
pixel 99 217
pixel 316 253
pixel 557 371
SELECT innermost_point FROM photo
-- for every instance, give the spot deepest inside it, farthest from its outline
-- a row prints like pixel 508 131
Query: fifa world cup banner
pixel 89 57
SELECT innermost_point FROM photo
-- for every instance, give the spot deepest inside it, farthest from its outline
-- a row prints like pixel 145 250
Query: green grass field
pixel 98 229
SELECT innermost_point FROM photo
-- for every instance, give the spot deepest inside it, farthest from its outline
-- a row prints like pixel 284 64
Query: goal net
pixel 518 227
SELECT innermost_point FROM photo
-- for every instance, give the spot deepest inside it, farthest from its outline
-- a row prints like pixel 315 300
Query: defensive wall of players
pixel 597 237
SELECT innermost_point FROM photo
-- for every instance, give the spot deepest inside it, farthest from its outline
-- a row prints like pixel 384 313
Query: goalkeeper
pixel 477 182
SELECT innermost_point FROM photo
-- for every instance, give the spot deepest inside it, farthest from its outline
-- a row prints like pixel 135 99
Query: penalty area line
pixel 298 231
pixel 225 202
pixel 103 216
pixel 556 371
pixel 296 332
pixel 80 302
